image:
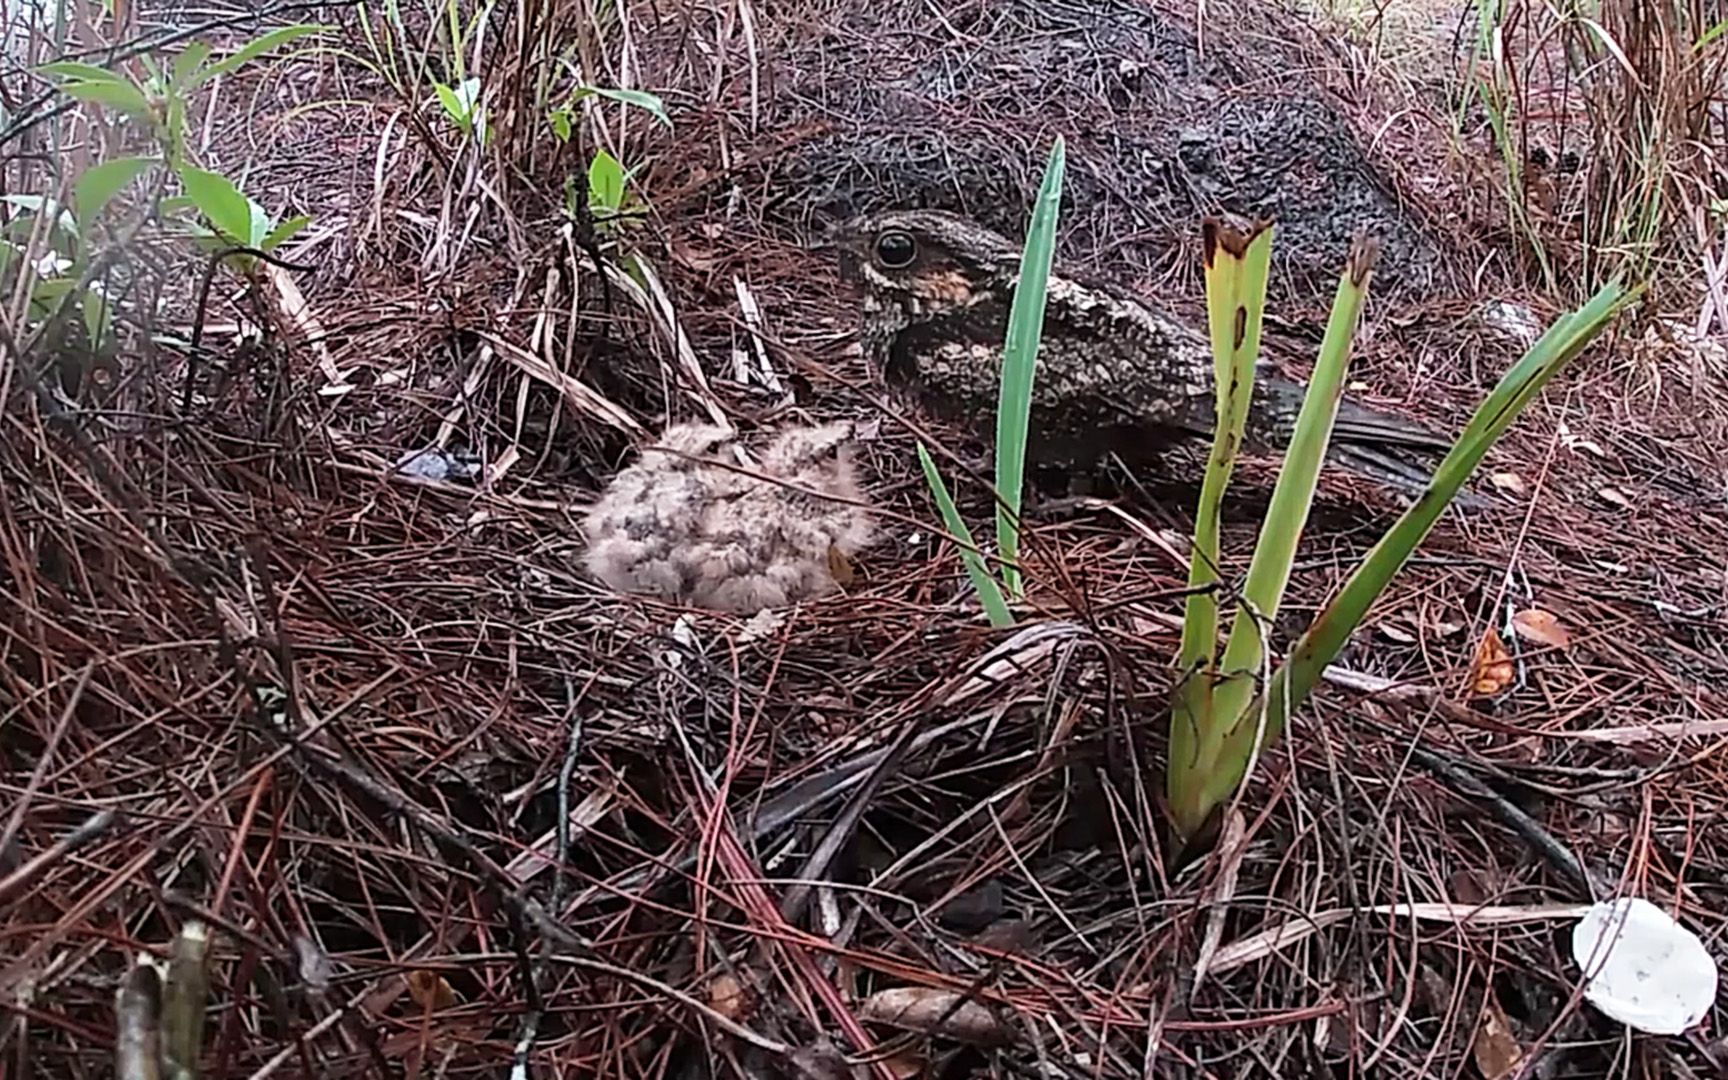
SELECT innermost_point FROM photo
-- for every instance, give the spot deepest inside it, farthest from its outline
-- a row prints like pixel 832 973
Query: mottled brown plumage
pixel 680 525
pixel 1114 374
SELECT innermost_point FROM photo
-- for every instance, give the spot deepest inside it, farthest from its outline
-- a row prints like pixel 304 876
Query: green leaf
pixel 186 64
pixel 641 99
pixel 1019 363
pixel 258 224
pixel 560 119
pixel 1280 534
pixel 451 104
pixel 257 47
pixel 989 593
pixel 1326 635
pixel 123 96
pixel 48 290
pixel 174 129
pixel 1236 271
pixel 96 188
pixel 220 202
pixel 461 103
pixel 71 69
pixel 282 233
pixel 97 324
pixel 605 182
pixel 1293 496
pixel 454 17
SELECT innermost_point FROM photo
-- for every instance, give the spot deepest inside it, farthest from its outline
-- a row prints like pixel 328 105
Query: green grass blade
pixel 1019 363
pixel 989 593
pixel 1292 497
pixel 1317 647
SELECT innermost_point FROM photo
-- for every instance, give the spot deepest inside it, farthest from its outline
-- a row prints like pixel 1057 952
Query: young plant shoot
pixel 1014 407
pixel 1225 711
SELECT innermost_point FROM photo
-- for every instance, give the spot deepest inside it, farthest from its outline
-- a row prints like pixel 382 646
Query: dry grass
pixel 251 675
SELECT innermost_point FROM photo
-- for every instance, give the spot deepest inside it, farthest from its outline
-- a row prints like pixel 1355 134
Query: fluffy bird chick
pixel 708 535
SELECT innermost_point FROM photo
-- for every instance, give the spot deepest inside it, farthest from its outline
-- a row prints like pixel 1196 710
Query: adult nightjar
pixel 1114 374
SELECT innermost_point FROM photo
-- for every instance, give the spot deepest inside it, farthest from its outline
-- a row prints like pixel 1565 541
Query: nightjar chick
pixel 1114 374
pixel 679 526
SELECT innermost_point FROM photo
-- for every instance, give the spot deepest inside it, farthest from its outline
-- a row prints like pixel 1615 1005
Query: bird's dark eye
pixel 896 250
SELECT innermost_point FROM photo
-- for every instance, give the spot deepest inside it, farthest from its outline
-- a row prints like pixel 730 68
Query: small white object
pixel 1642 968
pixel 684 631
pixel 1514 319
pixel 52 265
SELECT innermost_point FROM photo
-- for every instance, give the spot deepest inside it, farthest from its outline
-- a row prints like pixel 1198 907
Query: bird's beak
pixel 837 239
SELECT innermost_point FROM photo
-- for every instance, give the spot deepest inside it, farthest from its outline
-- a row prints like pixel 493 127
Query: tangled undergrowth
pixel 295 644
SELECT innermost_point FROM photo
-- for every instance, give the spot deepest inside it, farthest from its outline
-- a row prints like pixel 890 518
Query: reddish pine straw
pixel 328 708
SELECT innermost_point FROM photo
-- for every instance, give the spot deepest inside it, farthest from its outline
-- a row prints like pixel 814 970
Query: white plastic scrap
pixel 1643 968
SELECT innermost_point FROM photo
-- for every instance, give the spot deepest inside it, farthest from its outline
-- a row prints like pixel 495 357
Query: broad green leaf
pixel 48 291
pixel 989 593
pixel 282 233
pixel 72 69
pixel 451 104
pixel 186 64
pixel 559 118
pixel 220 202
pixel 605 182
pixel 176 204
pixel 1019 363
pixel 641 99
pixel 257 47
pixel 123 96
pixel 96 188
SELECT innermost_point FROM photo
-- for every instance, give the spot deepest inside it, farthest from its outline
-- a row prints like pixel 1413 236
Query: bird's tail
pixel 1380 445
pixel 1360 425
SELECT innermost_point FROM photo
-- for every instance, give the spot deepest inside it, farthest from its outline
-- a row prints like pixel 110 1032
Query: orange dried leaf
pixel 727 996
pixel 1496 1049
pixel 1493 671
pixel 840 565
pixel 1541 628
pixel 430 991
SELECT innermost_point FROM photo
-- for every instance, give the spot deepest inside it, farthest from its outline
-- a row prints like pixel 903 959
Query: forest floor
pixel 314 661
